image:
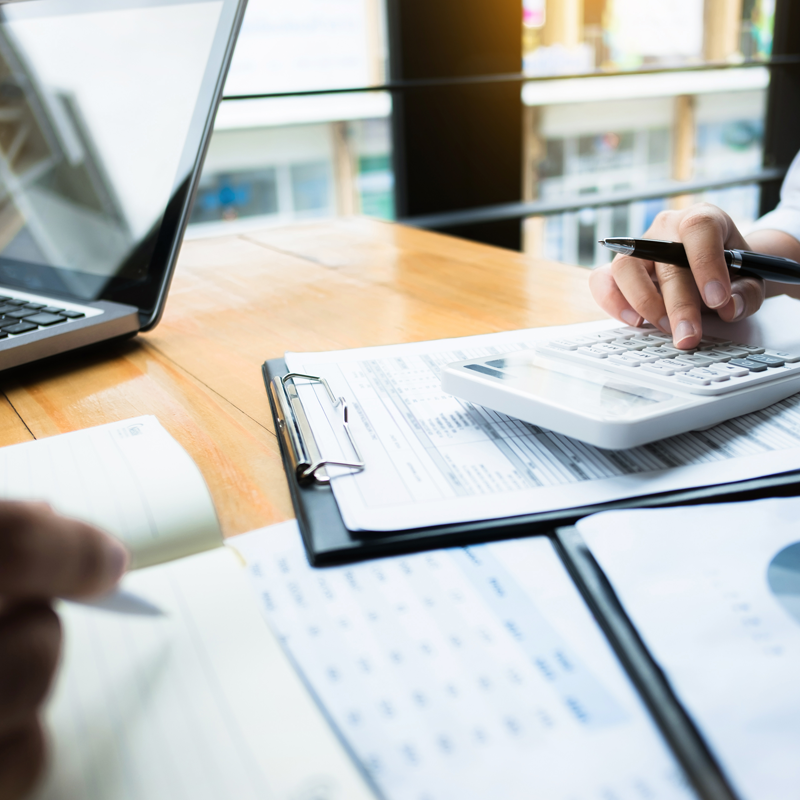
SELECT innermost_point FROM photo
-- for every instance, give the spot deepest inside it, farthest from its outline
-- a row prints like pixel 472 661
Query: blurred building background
pixel 617 97
pixel 298 155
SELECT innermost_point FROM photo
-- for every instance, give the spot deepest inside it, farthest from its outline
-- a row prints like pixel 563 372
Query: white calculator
pixel 624 387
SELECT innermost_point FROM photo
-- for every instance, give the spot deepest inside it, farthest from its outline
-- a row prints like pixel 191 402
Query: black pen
pixel 759 265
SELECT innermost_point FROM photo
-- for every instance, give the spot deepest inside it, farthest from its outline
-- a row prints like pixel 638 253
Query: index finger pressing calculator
pixel 625 387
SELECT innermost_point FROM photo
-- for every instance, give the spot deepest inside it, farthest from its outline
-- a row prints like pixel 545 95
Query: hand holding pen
pixel 672 297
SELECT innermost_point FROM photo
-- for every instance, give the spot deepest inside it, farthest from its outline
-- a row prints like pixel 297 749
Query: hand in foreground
pixel 42 555
pixel 671 297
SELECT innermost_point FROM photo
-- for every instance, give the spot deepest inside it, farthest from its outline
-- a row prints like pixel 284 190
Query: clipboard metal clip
pixel 309 465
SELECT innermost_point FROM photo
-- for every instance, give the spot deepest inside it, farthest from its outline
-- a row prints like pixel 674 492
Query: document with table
pixel 468 673
pixel 714 593
pixel 434 460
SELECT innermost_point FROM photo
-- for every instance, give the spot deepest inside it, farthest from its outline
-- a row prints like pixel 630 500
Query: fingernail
pixel 738 305
pixel 714 294
pixel 663 323
pixel 631 318
pixel 683 330
pixel 118 558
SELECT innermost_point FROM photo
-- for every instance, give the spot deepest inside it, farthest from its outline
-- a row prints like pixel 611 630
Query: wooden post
pixel 683 145
pixel 563 23
pixel 376 47
pixel 722 29
pixel 344 169
pixel 532 152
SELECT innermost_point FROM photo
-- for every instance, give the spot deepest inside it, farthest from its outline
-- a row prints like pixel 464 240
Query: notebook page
pixel 130 478
pixel 432 459
pixel 198 702
pixel 464 673
pixel 714 592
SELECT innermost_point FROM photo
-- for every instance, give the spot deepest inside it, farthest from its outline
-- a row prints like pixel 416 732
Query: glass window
pixel 578 36
pixel 311 187
pixel 275 159
pixel 233 195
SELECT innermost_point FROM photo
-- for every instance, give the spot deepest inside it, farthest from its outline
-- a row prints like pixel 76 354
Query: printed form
pixel 714 592
pixel 467 673
pixel 433 459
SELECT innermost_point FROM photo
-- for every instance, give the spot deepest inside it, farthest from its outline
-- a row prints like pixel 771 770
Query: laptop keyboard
pixel 715 366
pixel 21 315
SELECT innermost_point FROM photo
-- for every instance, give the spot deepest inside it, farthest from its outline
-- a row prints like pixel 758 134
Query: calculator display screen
pixel 583 390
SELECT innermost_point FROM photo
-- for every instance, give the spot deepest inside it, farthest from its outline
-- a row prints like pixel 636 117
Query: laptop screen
pixel 105 110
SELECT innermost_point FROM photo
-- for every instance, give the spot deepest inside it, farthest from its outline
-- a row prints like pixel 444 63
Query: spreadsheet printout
pixel 467 673
pixel 714 592
pixel 432 459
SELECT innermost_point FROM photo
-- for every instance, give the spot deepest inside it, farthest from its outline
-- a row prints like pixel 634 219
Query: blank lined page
pixel 130 478
pixel 197 702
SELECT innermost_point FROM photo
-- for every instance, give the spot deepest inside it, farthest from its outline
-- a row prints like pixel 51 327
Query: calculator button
pixel 566 344
pixel 602 350
pixel 770 361
pixel 753 366
pixel 710 374
pixel 751 349
pixel 635 333
pixel 662 352
pixel 731 351
pixel 635 357
pixel 654 340
pixel 665 366
pixel 695 360
pixel 602 336
pixel 714 355
pixel 709 342
pixel 630 344
pixel 787 357
pixel 594 351
pixel 631 359
pixel 694 379
pixel 730 369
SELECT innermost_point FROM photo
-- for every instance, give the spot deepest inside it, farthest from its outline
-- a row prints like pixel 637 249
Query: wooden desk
pixel 236 301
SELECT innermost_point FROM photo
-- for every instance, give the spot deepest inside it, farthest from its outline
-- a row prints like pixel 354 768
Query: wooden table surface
pixel 239 300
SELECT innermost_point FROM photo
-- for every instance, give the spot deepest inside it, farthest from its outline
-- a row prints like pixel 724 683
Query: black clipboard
pixel 674 722
pixel 328 541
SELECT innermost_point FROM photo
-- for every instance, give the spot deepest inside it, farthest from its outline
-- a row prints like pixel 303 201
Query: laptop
pixel 106 110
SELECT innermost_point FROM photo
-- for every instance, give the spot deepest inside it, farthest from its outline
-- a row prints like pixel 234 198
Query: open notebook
pixel 187 693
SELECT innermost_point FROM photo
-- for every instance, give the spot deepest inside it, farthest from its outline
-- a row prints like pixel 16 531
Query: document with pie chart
pixel 714 592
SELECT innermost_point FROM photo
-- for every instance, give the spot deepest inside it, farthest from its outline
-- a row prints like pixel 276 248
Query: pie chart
pixel 783 577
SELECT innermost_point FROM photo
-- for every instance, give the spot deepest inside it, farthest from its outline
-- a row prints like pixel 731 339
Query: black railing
pixel 515 77
pixel 519 211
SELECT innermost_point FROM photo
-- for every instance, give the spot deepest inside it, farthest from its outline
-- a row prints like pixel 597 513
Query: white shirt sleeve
pixel 786 217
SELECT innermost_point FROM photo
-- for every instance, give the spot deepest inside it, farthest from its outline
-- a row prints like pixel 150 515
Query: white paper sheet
pixel 433 459
pixel 198 702
pixel 130 478
pixel 466 673
pixel 714 592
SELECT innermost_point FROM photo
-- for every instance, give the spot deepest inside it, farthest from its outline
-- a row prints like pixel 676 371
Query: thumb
pixel 45 555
